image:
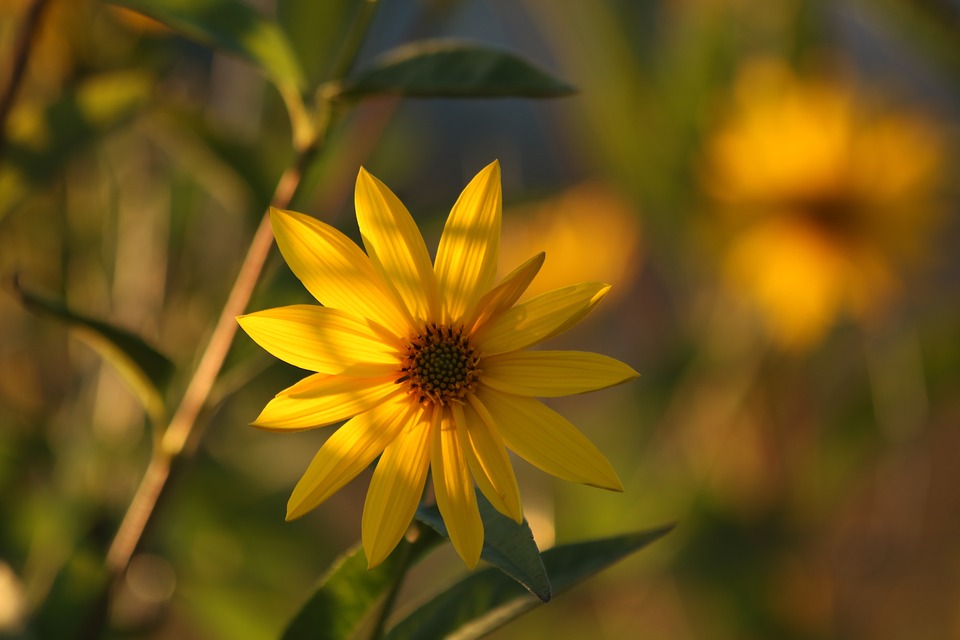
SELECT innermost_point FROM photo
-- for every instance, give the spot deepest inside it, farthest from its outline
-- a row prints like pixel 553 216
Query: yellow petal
pixel 547 440
pixel 467 256
pixel 453 487
pixel 346 453
pixel 505 294
pixel 549 374
pixel 539 318
pixel 395 246
pixel 335 270
pixel 320 400
pixel 320 339
pixel 396 487
pixel 489 462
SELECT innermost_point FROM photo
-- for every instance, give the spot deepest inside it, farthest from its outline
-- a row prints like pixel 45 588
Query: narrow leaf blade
pixel 143 368
pixel 453 69
pixel 346 593
pixel 507 545
pixel 231 26
pixel 486 600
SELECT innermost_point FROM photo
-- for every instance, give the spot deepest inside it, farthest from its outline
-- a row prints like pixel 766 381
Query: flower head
pixel 825 194
pixel 428 363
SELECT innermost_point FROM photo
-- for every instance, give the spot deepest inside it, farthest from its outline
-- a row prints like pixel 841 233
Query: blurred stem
pixel 21 53
pixel 181 427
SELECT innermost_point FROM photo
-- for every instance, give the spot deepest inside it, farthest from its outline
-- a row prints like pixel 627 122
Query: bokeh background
pixel 770 187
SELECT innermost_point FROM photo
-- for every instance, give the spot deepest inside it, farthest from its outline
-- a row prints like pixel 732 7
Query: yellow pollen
pixel 440 366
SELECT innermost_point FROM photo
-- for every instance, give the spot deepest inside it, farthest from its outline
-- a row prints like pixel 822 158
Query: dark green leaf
pixel 346 593
pixel 449 68
pixel 146 370
pixel 506 545
pixel 486 600
pixel 231 26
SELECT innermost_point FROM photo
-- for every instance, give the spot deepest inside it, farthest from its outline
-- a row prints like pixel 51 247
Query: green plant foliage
pixel 453 69
pixel 507 545
pixel 82 116
pixel 230 26
pixel 77 601
pixel 143 368
pixel 486 600
pixel 345 595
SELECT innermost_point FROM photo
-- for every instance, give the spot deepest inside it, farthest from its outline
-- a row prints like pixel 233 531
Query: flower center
pixel 440 366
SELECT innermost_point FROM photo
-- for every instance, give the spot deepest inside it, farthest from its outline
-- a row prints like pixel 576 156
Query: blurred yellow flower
pixel 826 195
pixel 428 361
pixel 569 228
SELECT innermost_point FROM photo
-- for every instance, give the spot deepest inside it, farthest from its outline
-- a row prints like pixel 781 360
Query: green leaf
pixel 143 368
pixel 506 545
pixel 486 600
pixel 450 68
pixel 348 590
pixel 231 26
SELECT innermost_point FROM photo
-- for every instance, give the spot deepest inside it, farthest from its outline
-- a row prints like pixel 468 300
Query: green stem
pixel 181 427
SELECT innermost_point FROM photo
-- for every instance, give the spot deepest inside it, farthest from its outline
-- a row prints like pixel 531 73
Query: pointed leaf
pixel 231 26
pixel 507 545
pixel 143 368
pixel 453 69
pixel 486 600
pixel 346 593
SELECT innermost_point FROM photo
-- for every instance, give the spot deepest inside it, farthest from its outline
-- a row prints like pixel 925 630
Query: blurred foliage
pixel 815 487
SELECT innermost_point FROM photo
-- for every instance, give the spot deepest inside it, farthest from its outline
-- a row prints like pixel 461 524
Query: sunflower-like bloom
pixel 827 197
pixel 428 362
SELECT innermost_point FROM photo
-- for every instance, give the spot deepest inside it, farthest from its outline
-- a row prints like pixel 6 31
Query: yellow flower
pixel 827 198
pixel 428 362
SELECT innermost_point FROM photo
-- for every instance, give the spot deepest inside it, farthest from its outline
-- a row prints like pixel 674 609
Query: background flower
pixel 827 196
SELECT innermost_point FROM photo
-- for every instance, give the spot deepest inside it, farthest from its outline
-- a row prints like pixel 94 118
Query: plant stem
pixel 198 389
pixel 181 426
pixel 21 53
